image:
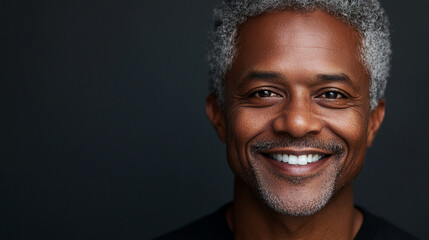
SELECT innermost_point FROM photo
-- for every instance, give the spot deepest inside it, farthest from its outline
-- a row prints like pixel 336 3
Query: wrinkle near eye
pixel 339 102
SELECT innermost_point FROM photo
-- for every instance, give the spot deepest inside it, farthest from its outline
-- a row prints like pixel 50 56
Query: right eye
pixel 264 94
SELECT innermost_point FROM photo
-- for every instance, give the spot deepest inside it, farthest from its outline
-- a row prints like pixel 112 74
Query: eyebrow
pixel 334 78
pixel 263 75
pixel 260 75
pixel 277 77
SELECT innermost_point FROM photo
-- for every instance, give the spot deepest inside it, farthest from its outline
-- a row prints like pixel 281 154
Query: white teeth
pixel 310 158
pixel 293 159
pixel 296 160
pixel 302 160
pixel 316 157
pixel 285 158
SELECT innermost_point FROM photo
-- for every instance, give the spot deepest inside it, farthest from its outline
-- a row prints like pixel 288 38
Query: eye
pixel 265 94
pixel 332 95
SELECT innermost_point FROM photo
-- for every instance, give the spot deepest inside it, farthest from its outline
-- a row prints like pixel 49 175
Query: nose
pixel 297 119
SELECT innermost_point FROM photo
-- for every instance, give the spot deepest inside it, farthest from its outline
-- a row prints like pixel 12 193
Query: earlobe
pixel 375 121
pixel 216 116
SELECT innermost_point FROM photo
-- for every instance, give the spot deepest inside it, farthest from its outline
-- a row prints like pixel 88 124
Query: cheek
pixel 351 127
pixel 243 126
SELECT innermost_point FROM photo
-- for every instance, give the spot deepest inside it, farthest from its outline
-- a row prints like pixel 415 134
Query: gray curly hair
pixel 366 16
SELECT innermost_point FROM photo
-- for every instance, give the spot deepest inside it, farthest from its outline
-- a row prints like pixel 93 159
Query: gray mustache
pixel 329 146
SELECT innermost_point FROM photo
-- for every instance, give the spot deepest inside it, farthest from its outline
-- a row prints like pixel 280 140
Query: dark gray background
pixel 103 127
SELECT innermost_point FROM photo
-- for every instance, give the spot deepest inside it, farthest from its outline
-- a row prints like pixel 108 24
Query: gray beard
pixel 290 204
pixel 296 202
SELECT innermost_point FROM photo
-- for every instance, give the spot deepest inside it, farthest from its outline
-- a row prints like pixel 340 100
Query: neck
pixel 249 218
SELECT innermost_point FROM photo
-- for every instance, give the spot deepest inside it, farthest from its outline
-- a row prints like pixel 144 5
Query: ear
pixel 216 116
pixel 375 121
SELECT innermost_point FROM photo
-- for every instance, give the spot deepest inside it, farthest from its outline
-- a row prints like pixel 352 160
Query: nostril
pixel 296 124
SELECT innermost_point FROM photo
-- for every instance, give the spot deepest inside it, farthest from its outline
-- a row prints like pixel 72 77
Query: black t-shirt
pixel 215 227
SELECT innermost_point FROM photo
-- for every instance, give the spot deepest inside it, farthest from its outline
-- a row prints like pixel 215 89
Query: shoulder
pixel 377 228
pixel 212 226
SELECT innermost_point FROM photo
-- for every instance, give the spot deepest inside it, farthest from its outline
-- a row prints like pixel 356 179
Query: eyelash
pixel 337 94
pixel 326 95
pixel 267 92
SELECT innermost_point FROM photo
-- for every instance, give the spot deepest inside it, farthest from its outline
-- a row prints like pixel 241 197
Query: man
pixel 297 96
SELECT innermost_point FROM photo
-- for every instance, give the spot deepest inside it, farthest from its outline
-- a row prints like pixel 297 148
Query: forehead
pixel 296 42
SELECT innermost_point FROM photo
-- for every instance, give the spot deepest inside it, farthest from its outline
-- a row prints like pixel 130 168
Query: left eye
pixel 332 95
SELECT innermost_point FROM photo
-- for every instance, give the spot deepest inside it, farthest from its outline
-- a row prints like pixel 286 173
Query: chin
pixel 292 195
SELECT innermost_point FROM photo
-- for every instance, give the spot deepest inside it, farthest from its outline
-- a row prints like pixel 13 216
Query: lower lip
pixel 297 170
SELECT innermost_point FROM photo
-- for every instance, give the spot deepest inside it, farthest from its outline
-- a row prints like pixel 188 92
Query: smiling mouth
pixel 297 159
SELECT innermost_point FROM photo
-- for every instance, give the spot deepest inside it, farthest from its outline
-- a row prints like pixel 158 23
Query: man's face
pixel 296 117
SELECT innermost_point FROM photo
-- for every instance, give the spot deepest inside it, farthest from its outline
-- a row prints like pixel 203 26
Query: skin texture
pixel 296 82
